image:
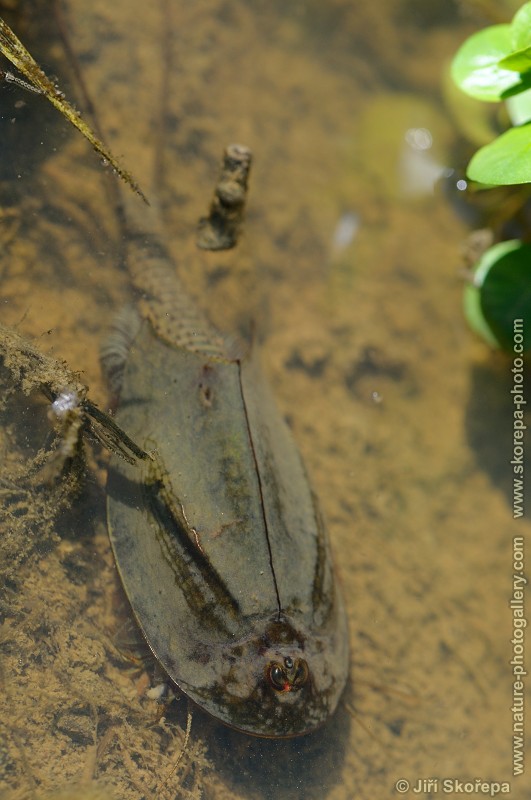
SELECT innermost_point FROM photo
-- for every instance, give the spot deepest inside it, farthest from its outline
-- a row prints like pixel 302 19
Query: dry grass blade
pixel 13 49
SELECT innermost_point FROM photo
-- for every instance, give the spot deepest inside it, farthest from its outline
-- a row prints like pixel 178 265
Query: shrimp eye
pixel 301 674
pixel 290 675
pixel 278 677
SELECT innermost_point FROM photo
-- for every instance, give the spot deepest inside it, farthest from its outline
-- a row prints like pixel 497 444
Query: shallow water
pixel 349 271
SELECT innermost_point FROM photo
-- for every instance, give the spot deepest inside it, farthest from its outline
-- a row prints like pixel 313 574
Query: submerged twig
pixel 71 410
pixel 182 752
pixel 13 49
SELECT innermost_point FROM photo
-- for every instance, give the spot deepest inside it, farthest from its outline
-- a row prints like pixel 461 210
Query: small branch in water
pixel 71 411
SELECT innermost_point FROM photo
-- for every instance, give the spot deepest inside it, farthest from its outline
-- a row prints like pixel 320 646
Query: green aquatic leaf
pixel 505 161
pixel 476 69
pixel 519 61
pixel 500 293
pixel 523 85
pixel 13 49
pixel 474 315
pixel 519 108
pixel 476 121
pixel 521 28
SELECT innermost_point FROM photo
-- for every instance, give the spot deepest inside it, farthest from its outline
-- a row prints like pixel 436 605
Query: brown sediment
pixel 416 486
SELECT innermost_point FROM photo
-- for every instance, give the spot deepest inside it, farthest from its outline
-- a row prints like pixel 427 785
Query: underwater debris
pixel 71 410
pixel 8 77
pixel 13 49
pixel 221 229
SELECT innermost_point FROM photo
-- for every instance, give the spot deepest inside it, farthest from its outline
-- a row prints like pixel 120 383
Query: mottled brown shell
pixel 220 545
